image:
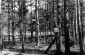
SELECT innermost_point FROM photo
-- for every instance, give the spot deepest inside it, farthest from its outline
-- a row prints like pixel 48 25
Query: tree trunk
pixel 21 35
pixel 31 33
pixel 13 33
pixel 66 28
pixel 8 23
pixel 38 42
pixel 58 22
pixel 79 26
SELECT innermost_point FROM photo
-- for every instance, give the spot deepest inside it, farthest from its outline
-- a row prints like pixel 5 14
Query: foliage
pixel 45 13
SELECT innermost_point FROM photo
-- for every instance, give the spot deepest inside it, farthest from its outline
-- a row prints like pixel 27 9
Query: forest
pixel 42 27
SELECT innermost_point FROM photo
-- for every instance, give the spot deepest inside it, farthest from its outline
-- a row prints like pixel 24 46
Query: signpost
pixel 57 37
pixel 56 29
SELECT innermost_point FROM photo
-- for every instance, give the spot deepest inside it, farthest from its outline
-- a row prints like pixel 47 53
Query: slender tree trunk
pixel 79 26
pixel 8 23
pixel 2 42
pixel 24 33
pixel 13 22
pixel 0 39
pixel 21 35
pixel 38 42
pixel 31 25
pixel 66 28
pixel 82 32
pixel 58 22
pixel 13 33
pixel 76 21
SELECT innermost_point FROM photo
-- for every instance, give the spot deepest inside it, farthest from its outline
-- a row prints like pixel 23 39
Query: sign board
pixel 56 29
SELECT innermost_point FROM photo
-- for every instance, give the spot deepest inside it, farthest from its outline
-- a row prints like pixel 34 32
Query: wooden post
pixel 56 31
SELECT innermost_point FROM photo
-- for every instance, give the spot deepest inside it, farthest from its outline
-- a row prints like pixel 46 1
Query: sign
pixel 56 29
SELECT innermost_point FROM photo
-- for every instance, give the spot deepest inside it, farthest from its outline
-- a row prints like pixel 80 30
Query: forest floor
pixel 30 48
pixel 7 52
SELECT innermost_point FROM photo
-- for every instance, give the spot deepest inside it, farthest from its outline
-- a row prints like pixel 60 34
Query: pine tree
pixel 66 27
pixel 22 13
